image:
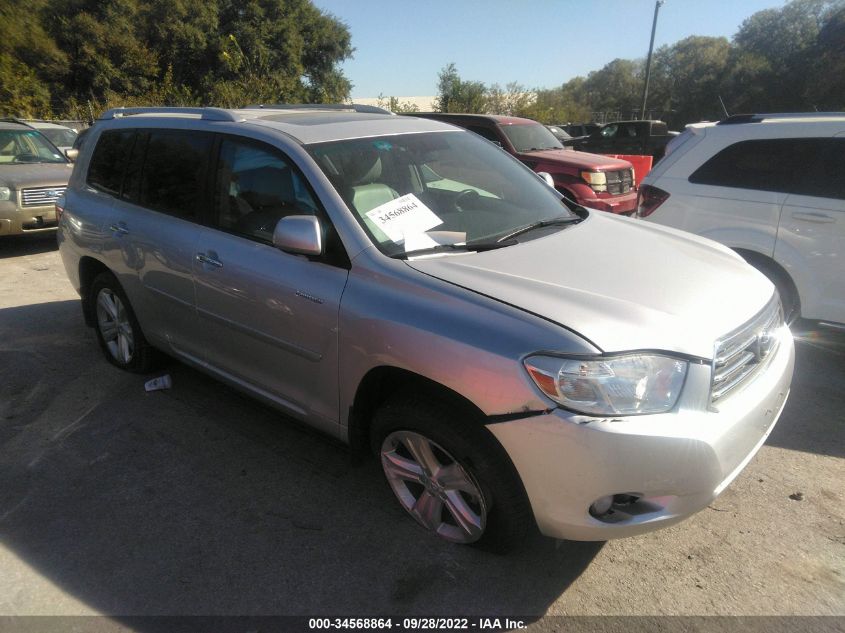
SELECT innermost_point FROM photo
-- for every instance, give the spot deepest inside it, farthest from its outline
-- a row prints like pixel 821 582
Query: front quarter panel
pixel 395 316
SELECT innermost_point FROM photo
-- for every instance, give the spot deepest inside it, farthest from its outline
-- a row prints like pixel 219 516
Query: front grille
pixel 619 182
pixel 740 355
pixel 41 196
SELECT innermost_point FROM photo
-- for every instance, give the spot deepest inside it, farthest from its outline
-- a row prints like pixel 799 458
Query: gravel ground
pixel 197 500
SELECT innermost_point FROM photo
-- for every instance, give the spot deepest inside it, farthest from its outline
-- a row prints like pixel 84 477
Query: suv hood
pixel 621 283
pixel 580 160
pixel 34 174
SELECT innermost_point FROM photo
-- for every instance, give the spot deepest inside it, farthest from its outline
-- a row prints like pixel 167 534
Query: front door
pixel 268 319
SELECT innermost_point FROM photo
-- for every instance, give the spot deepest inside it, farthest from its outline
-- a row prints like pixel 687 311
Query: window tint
pixel 131 189
pixel 174 170
pixel 808 166
pixel 106 170
pixel 254 188
pixel 487 133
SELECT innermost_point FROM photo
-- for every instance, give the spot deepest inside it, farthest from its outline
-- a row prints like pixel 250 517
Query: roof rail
pixel 757 118
pixel 207 114
pixel 11 119
pixel 357 107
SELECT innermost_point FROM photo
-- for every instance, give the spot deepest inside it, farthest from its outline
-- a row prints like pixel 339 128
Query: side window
pixel 486 132
pixel 825 173
pixel 769 165
pixel 803 166
pixel 609 131
pixel 174 170
pixel 254 188
pixel 131 189
pixel 105 172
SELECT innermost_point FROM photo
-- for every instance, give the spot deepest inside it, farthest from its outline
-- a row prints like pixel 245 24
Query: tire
pixel 441 464
pixel 118 332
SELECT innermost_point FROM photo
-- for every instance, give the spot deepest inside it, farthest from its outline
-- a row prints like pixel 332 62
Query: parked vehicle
pixel 61 136
pixel 560 134
pixel 409 288
pixel 772 187
pixel 597 182
pixel 33 174
pixel 577 130
pixel 647 138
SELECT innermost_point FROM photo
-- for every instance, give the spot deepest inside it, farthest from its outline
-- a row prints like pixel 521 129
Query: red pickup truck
pixel 597 182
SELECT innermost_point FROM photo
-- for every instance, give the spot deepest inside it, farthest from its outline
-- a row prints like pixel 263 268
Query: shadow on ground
pixel 197 500
pixel 817 395
pixel 19 245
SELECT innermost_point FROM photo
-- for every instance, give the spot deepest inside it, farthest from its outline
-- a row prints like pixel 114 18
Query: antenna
pixel 723 106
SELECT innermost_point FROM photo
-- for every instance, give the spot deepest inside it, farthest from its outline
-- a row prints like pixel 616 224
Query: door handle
pixel 205 259
pixel 119 228
pixel 818 218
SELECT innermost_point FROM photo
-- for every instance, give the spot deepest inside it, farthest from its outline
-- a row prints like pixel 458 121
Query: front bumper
pixel 624 204
pixel 16 220
pixel 675 463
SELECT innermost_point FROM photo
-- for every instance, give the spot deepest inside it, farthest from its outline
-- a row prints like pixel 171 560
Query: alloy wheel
pixel 115 327
pixel 433 487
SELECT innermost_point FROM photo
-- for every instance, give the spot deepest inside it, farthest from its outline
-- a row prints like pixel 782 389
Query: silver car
pixel 405 286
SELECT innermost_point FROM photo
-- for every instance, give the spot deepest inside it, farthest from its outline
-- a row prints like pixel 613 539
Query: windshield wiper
pixel 476 247
pixel 562 220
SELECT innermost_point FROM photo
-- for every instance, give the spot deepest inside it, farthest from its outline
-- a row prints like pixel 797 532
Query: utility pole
pixel 657 5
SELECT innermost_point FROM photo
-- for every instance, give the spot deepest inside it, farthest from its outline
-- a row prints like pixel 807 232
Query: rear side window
pixel 173 177
pixel 803 166
pixel 485 132
pixel 106 170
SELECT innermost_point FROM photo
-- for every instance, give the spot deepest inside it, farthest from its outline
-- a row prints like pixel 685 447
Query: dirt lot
pixel 197 500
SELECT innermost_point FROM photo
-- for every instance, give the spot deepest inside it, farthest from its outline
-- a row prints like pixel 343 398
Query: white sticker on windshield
pixel 403 216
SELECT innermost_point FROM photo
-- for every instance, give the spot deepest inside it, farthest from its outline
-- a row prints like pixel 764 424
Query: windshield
pixel 27 146
pixel 530 137
pixel 412 192
pixel 58 136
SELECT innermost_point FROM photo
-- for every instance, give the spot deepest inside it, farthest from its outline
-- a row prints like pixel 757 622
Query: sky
pixel 401 46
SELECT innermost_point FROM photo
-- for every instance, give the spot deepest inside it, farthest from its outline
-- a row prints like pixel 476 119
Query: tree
pixel 456 95
pixel 513 100
pixel 394 105
pixel 687 79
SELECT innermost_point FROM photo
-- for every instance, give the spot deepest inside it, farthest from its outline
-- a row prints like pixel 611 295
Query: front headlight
pixel 618 385
pixel 596 179
pixel 5 193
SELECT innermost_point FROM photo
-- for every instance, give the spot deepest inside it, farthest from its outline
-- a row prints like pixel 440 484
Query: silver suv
pixel 409 288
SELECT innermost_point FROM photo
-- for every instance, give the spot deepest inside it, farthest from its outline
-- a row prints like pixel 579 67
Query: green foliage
pixel 59 56
pixel 513 100
pixel 457 95
pixel 394 105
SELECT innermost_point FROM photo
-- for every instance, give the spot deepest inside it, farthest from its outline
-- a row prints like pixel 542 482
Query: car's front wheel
pixel 449 473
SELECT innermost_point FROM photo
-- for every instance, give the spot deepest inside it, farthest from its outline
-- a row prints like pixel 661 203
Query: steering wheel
pixel 466 196
pixel 26 158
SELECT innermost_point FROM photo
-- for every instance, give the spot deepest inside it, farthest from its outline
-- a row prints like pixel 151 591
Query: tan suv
pixel 33 174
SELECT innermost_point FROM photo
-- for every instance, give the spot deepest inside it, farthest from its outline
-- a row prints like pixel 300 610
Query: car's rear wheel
pixel 449 473
pixel 118 332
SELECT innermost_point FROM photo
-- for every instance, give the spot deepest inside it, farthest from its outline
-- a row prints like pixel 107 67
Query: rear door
pixel 268 319
pixel 155 224
pixel 811 235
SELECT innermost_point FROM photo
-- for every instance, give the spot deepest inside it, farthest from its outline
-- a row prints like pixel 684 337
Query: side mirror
pixel 299 234
pixel 546 177
pixel 72 154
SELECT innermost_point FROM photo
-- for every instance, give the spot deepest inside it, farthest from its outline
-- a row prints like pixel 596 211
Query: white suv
pixel 772 187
